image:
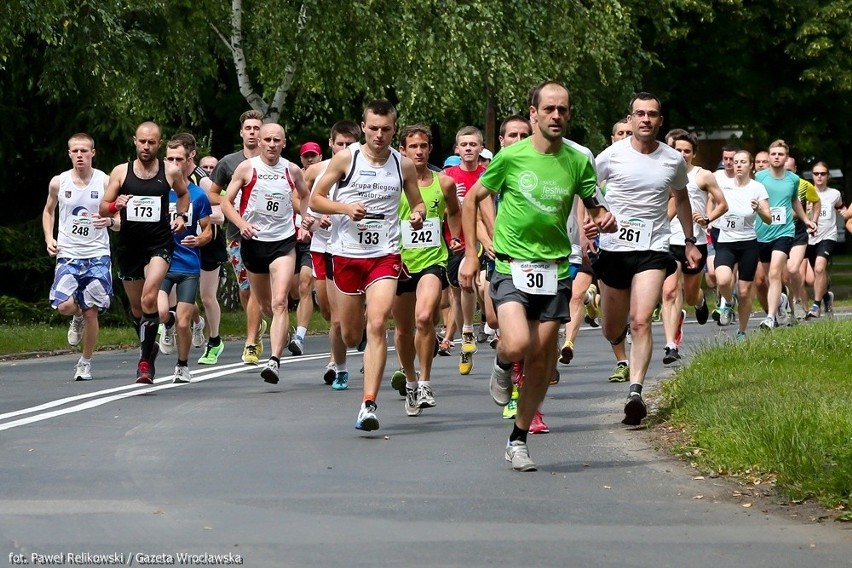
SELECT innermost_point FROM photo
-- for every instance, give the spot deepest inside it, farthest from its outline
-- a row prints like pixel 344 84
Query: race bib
pixel 273 203
pixel 173 213
pixel 633 233
pixel 733 222
pixel 427 237
pixel 143 209
pixel 81 226
pixel 824 213
pixel 534 277
pixel 367 234
pixel 779 215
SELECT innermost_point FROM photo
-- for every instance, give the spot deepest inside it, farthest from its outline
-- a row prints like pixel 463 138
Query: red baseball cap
pixel 309 147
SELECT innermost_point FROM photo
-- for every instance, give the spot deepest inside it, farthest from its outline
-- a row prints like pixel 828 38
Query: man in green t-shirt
pixel 537 180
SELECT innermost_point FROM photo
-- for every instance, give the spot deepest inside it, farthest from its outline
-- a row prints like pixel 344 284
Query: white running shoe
pixel 75 331
pixel 782 317
pixel 181 374
pixel 767 323
pixel 198 333
pixel 167 339
pixel 83 371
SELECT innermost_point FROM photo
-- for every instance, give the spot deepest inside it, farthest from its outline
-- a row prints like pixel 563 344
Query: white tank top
pixel 78 237
pixel 379 188
pixel 319 242
pixel 698 200
pixel 267 202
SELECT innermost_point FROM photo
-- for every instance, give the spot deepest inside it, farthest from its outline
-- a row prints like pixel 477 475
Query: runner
pixel 250 123
pixel 776 239
pixel 424 255
pixel 343 134
pixel 821 244
pixel 185 267
pixel 639 173
pixel 82 283
pixel 796 265
pixel 365 242
pixel 537 179
pixel 736 242
pixel 139 190
pixel 685 283
pixel 268 234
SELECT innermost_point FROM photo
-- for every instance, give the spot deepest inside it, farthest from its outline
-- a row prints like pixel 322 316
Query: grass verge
pixel 16 340
pixel 774 408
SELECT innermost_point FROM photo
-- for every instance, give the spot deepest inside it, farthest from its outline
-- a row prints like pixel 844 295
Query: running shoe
pixel 702 312
pixel 679 334
pixel 715 314
pixel 83 371
pixel 656 315
pixel 537 425
pixel 828 300
pixel 330 373
pixel 741 336
pixel 555 377
pixel 567 352
pixel 269 373
pixel 465 362
pixel 468 343
pixel 518 372
pixel 671 355
pixel 75 331
pixel 494 340
pixel 198 333
pixel 250 355
pixel 726 314
pixel 814 312
pixel 261 330
pixel 211 354
pixel 767 323
pixel 481 337
pixel 591 321
pixel 634 410
pixel 445 348
pixel 167 339
pixel 518 454
pixel 411 406
pixel 367 419
pixel 181 374
pixel 341 381
pixel 799 310
pixel 621 373
pixel 425 396
pixel 296 345
pixel 398 381
pixel 501 384
pixel 511 409
pixel 143 373
pixel 782 317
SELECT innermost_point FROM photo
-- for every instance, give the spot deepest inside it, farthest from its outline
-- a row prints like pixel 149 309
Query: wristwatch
pixel 692 240
pixel 184 216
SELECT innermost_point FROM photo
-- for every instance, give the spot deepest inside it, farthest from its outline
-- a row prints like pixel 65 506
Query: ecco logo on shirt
pixel 272 177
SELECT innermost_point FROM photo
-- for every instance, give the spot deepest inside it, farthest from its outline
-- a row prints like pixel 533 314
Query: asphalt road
pixel 277 475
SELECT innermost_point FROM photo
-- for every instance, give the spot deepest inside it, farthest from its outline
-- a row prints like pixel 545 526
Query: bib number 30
pixel 534 277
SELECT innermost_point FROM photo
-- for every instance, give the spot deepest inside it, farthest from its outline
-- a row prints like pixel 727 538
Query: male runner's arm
pixel 451 200
pixel 48 216
pixel 469 270
pixel 684 215
pixel 800 214
pixel 717 205
pixel 412 192
pixel 241 177
pixel 320 203
pixel 304 196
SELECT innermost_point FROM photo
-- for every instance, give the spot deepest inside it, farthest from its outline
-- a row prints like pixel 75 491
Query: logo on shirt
pixel 367 173
pixel 94 195
pixel 271 177
pixel 527 181
pixel 67 195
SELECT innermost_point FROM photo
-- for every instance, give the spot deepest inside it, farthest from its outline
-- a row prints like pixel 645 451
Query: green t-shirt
pixel 418 257
pixel 536 194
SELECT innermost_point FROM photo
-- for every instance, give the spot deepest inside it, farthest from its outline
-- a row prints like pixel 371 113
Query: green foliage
pixel 24 262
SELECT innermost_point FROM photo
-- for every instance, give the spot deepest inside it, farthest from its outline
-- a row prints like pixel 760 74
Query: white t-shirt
pixel 637 192
pixel 379 188
pixel 737 224
pixel 827 222
pixel 574 224
pixel 698 199
pixel 724 182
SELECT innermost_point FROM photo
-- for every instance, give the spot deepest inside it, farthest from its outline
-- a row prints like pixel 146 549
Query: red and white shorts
pixel 352 276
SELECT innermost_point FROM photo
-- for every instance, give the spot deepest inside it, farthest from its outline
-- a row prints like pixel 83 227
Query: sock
pixel 276 359
pixel 170 323
pixel 77 317
pixel 411 385
pixel 518 434
pixel 301 331
pixel 502 365
pixel 671 346
pixel 148 334
pixel 182 363
pixel 423 383
pixel 137 323
pixel 341 368
pixel 370 403
pixel 488 329
pixel 214 341
pixel 467 329
pixel 623 363
pixel 635 387
pixel 84 360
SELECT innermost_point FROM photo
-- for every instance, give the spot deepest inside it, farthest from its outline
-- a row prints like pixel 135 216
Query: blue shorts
pixel 87 280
